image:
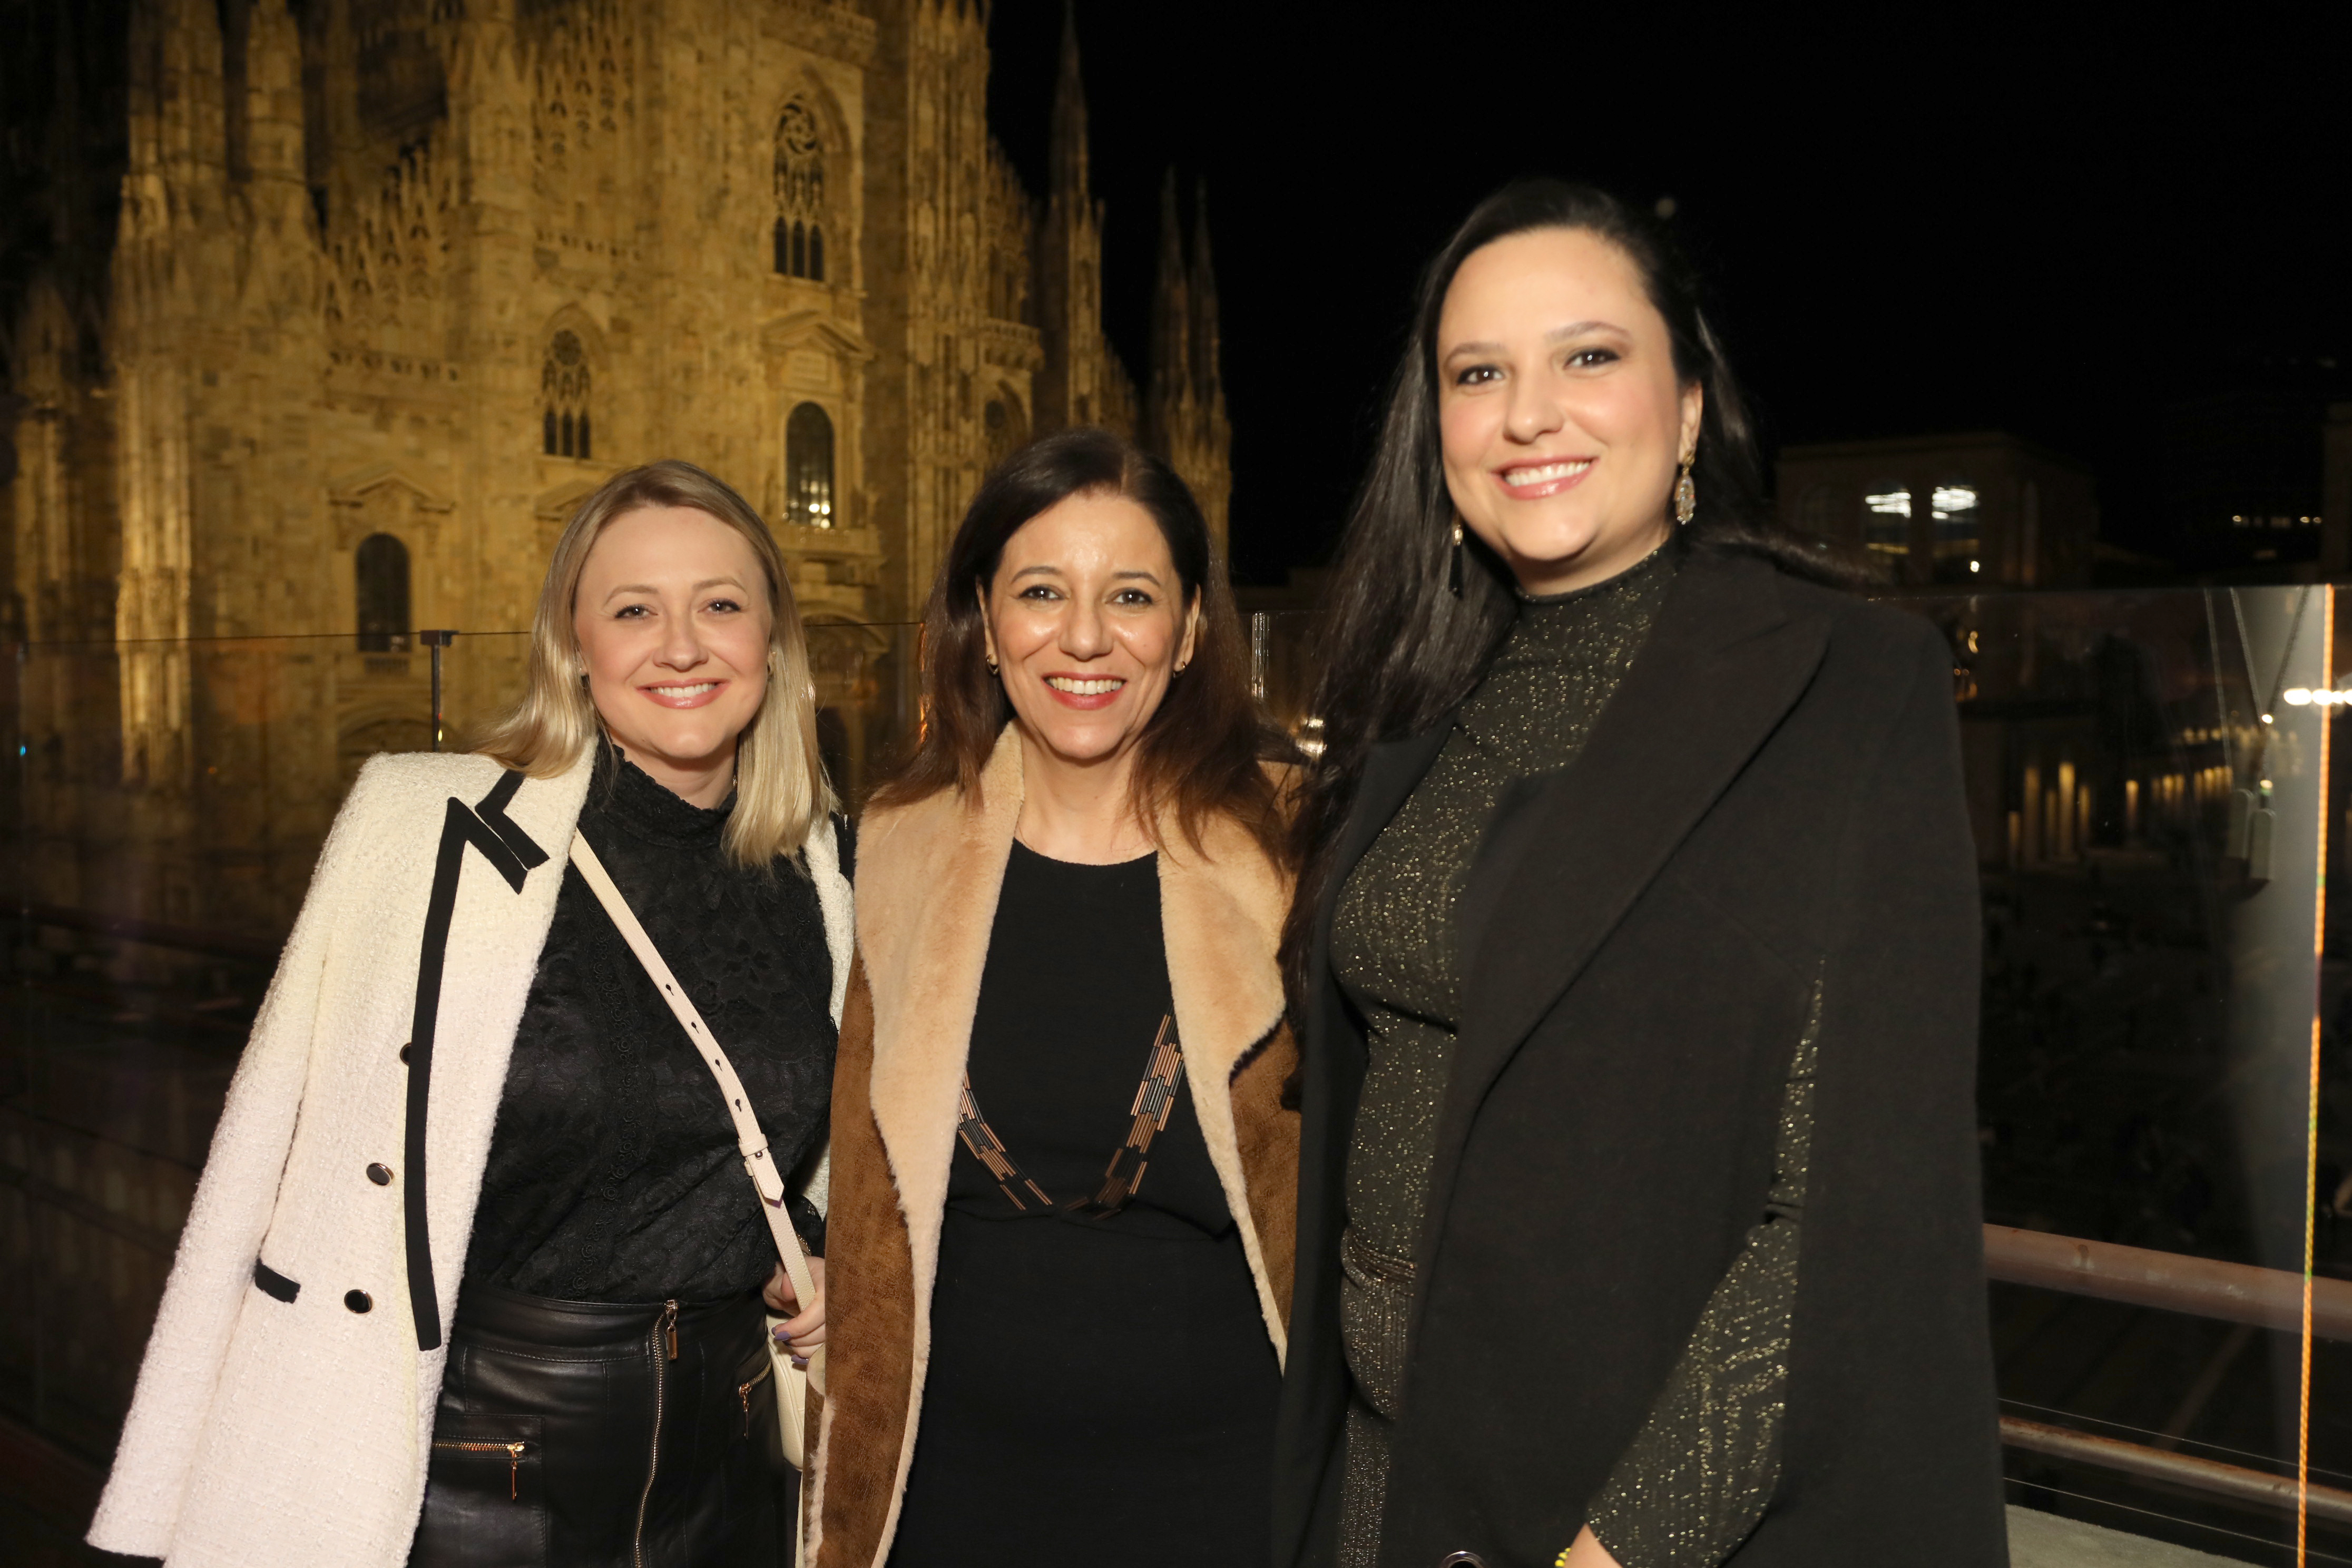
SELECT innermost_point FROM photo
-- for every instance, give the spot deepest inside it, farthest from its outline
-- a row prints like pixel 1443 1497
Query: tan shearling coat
pixel 929 877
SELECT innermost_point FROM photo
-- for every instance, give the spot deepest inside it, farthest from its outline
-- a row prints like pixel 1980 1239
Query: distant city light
pixel 1893 503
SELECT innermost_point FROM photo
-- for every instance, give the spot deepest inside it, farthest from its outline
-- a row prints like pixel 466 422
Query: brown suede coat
pixel 927 880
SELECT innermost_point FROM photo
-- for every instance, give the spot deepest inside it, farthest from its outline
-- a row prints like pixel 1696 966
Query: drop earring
pixel 1453 562
pixel 1685 492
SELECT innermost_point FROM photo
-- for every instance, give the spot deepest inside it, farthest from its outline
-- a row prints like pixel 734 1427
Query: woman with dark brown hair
pixel 1063 1178
pixel 1638 1186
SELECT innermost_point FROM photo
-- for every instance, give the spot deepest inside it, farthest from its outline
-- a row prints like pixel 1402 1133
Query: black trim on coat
pixel 493 813
pixel 273 1284
pixel 511 851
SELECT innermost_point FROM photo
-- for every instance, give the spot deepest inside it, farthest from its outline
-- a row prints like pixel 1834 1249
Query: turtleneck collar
pixel 1605 620
pixel 1656 566
pixel 622 795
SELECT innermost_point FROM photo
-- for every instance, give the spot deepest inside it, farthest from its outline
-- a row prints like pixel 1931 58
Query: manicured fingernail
pixel 801 1363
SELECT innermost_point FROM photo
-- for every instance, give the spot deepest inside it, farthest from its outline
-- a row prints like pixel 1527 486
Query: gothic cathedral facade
pixel 394 283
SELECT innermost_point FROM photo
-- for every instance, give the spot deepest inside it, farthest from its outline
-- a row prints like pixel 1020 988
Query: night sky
pixel 2067 227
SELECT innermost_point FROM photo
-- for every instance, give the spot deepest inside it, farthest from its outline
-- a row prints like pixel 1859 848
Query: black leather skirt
pixel 585 1434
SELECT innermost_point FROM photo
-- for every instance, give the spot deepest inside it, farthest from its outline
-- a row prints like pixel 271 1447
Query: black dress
pixel 606 1397
pixel 1100 1389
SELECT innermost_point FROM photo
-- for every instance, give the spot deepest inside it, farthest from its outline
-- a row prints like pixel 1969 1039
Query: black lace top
pixel 612 1173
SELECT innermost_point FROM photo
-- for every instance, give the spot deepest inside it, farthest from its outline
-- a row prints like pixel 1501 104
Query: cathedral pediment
pixel 558 503
pixel 355 489
pixel 814 330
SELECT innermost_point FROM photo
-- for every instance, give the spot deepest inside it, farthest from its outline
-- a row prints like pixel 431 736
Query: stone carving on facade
pixel 425 272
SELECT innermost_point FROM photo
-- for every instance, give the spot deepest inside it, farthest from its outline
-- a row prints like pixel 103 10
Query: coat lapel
pixel 927 881
pixel 1568 854
pixel 1222 905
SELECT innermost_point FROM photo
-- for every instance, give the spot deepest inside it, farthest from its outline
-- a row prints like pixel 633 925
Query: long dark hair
pixel 1199 756
pixel 1401 650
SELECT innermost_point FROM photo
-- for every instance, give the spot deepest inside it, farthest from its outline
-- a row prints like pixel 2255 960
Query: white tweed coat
pixel 270 1431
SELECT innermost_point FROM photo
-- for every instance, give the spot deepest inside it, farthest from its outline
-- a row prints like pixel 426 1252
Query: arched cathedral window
pixel 808 468
pixel 383 565
pixel 800 195
pixel 563 394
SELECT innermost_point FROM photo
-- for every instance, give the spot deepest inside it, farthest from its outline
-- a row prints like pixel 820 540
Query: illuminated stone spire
pixel 1068 176
pixel 1171 317
pixel 1208 384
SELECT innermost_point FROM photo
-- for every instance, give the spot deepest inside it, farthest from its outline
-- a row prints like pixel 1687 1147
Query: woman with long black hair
pixel 1637 954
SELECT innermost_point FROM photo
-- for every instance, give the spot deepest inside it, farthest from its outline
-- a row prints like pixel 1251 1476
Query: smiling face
pixel 672 618
pixel 1087 622
pixel 1560 413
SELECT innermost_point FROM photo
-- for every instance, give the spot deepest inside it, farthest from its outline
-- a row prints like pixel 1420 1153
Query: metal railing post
pixel 436 641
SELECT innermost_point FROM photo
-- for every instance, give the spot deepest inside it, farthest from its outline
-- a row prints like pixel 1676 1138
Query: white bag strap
pixel 748 1136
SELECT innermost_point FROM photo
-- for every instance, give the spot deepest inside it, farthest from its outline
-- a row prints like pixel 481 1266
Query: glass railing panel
pixel 2151 789
pixel 2159 964
pixel 868 695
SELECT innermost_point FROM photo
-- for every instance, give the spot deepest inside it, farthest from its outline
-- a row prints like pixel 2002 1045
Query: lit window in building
pixel 382 567
pixel 800 195
pixel 1958 536
pixel 1886 523
pixel 808 468
pixel 564 392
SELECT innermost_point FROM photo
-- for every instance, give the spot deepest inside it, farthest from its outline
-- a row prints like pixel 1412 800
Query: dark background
pixel 2122 233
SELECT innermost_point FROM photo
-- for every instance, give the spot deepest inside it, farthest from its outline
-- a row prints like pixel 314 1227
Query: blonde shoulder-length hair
pixel 780 791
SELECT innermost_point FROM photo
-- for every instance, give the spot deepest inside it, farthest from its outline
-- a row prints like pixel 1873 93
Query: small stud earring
pixel 1685 492
pixel 991 663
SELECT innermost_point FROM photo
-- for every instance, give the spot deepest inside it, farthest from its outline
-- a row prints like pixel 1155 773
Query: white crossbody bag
pixel 792 1384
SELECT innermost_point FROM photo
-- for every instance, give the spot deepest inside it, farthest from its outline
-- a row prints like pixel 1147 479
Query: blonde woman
pixel 475 1274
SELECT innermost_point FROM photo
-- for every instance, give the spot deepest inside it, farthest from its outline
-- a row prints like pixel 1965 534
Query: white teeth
pixel 1096 688
pixel 1545 474
pixel 697 689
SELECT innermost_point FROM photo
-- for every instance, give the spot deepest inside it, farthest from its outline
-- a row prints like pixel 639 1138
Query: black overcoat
pixel 1773 794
